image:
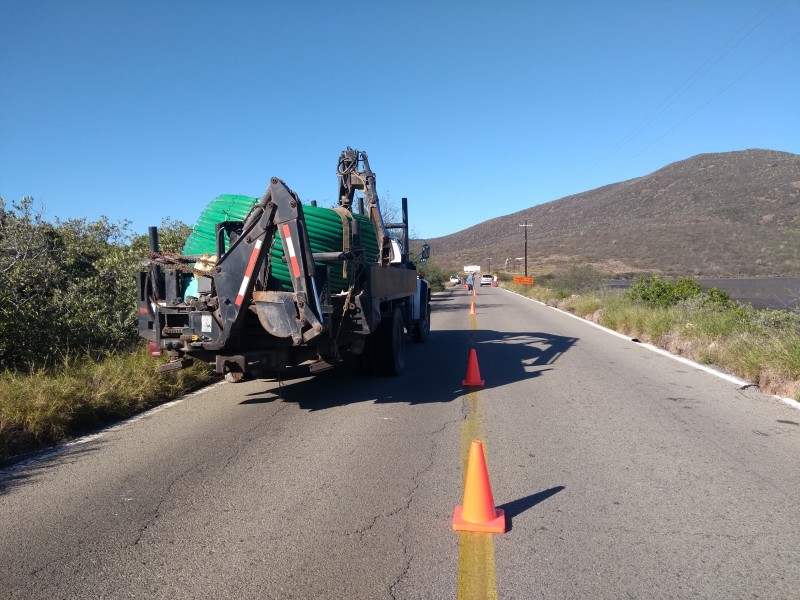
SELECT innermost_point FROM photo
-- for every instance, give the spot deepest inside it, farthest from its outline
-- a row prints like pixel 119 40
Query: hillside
pixel 724 214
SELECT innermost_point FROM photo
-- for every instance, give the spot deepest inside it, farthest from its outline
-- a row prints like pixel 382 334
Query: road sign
pixel 524 280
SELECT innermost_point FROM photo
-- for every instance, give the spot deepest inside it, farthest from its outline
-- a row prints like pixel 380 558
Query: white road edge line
pixel 61 448
pixel 732 379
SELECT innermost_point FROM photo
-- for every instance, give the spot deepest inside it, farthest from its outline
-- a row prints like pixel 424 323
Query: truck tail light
pixel 154 350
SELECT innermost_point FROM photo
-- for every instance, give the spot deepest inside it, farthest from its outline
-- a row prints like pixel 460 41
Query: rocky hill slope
pixel 725 214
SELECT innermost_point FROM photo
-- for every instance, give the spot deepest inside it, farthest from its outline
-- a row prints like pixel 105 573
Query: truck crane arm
pixel 354 174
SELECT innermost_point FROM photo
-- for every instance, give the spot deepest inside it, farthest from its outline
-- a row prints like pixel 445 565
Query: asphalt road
pixel 623 474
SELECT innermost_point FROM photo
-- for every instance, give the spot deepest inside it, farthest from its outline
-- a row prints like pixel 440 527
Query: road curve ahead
pixel 622 473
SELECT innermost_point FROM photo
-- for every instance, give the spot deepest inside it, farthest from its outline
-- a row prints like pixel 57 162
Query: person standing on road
pixel 470 281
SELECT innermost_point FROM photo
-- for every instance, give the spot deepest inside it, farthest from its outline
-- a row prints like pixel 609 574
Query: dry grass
pixel 44 407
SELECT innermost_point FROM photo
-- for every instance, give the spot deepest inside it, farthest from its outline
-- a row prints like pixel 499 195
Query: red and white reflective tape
pixel 290 247
pixel 248 273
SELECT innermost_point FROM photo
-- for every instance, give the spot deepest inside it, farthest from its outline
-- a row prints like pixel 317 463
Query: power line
pixel 696 76
pixel 714 97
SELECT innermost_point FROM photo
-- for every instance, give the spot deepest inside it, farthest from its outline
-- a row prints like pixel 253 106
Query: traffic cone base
pixel 473 377
pixel 496 525
pixel 477 511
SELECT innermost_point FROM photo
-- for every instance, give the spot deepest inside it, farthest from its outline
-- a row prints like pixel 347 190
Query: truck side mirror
pixel 426 251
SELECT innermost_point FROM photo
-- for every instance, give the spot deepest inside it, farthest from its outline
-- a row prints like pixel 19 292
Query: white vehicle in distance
pixel 455 279
pixel 486 279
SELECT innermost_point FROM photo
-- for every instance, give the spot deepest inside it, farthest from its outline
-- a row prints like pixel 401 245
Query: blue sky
pixel 140 110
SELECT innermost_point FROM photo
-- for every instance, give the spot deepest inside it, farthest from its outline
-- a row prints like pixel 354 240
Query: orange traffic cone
pixel 472 308
pixel 474 291
pixel 477 511
pixel 473 372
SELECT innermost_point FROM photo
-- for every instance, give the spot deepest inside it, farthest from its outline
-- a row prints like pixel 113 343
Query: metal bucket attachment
pixel 277 313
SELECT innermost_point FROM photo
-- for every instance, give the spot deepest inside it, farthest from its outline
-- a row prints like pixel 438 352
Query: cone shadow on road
pixel 517 507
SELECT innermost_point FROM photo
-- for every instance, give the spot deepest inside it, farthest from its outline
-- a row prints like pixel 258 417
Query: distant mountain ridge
pixel 724 214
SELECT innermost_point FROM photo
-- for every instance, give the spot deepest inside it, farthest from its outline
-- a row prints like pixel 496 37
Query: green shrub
pixel 434 274
pixel 652 290
pixel 655 291
pixel 68 287
pixel 686 287
pixel 716 297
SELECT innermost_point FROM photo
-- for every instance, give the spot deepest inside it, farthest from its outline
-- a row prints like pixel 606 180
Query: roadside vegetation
pixel 435 275
pixel 762 346
pixel 71 359
pixel 48 405
pixel 70 356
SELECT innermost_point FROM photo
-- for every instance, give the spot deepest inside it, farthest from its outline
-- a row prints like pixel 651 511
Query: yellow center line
pixel 476 570
pixel 476 580
pixel 471 428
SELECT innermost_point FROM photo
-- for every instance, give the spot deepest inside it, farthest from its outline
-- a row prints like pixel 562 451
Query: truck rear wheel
pixel 422 329
pixel 390 347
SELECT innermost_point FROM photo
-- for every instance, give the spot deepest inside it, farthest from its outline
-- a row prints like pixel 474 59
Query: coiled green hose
pixel 324 235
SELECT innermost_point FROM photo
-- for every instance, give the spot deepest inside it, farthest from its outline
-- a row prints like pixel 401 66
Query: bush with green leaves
pixel 434 274
pixel 716 297
pixel 655 291
pixel 68 288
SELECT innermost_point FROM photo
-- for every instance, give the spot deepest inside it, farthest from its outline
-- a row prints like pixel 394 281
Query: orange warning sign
pixel 524 280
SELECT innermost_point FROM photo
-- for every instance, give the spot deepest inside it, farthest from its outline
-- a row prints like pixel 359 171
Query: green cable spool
pixel 324 226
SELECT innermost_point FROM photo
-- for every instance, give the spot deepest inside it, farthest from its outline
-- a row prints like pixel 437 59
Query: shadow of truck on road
pixel 434 371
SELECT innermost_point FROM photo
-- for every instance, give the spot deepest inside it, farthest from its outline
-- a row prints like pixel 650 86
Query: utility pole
pixel 526 245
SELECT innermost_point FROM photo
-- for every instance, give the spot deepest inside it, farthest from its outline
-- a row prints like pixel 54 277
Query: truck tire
pixel 390 344
pixel 422 329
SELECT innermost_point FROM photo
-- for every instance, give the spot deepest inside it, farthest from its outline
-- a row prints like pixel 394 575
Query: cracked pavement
pixel 343 486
